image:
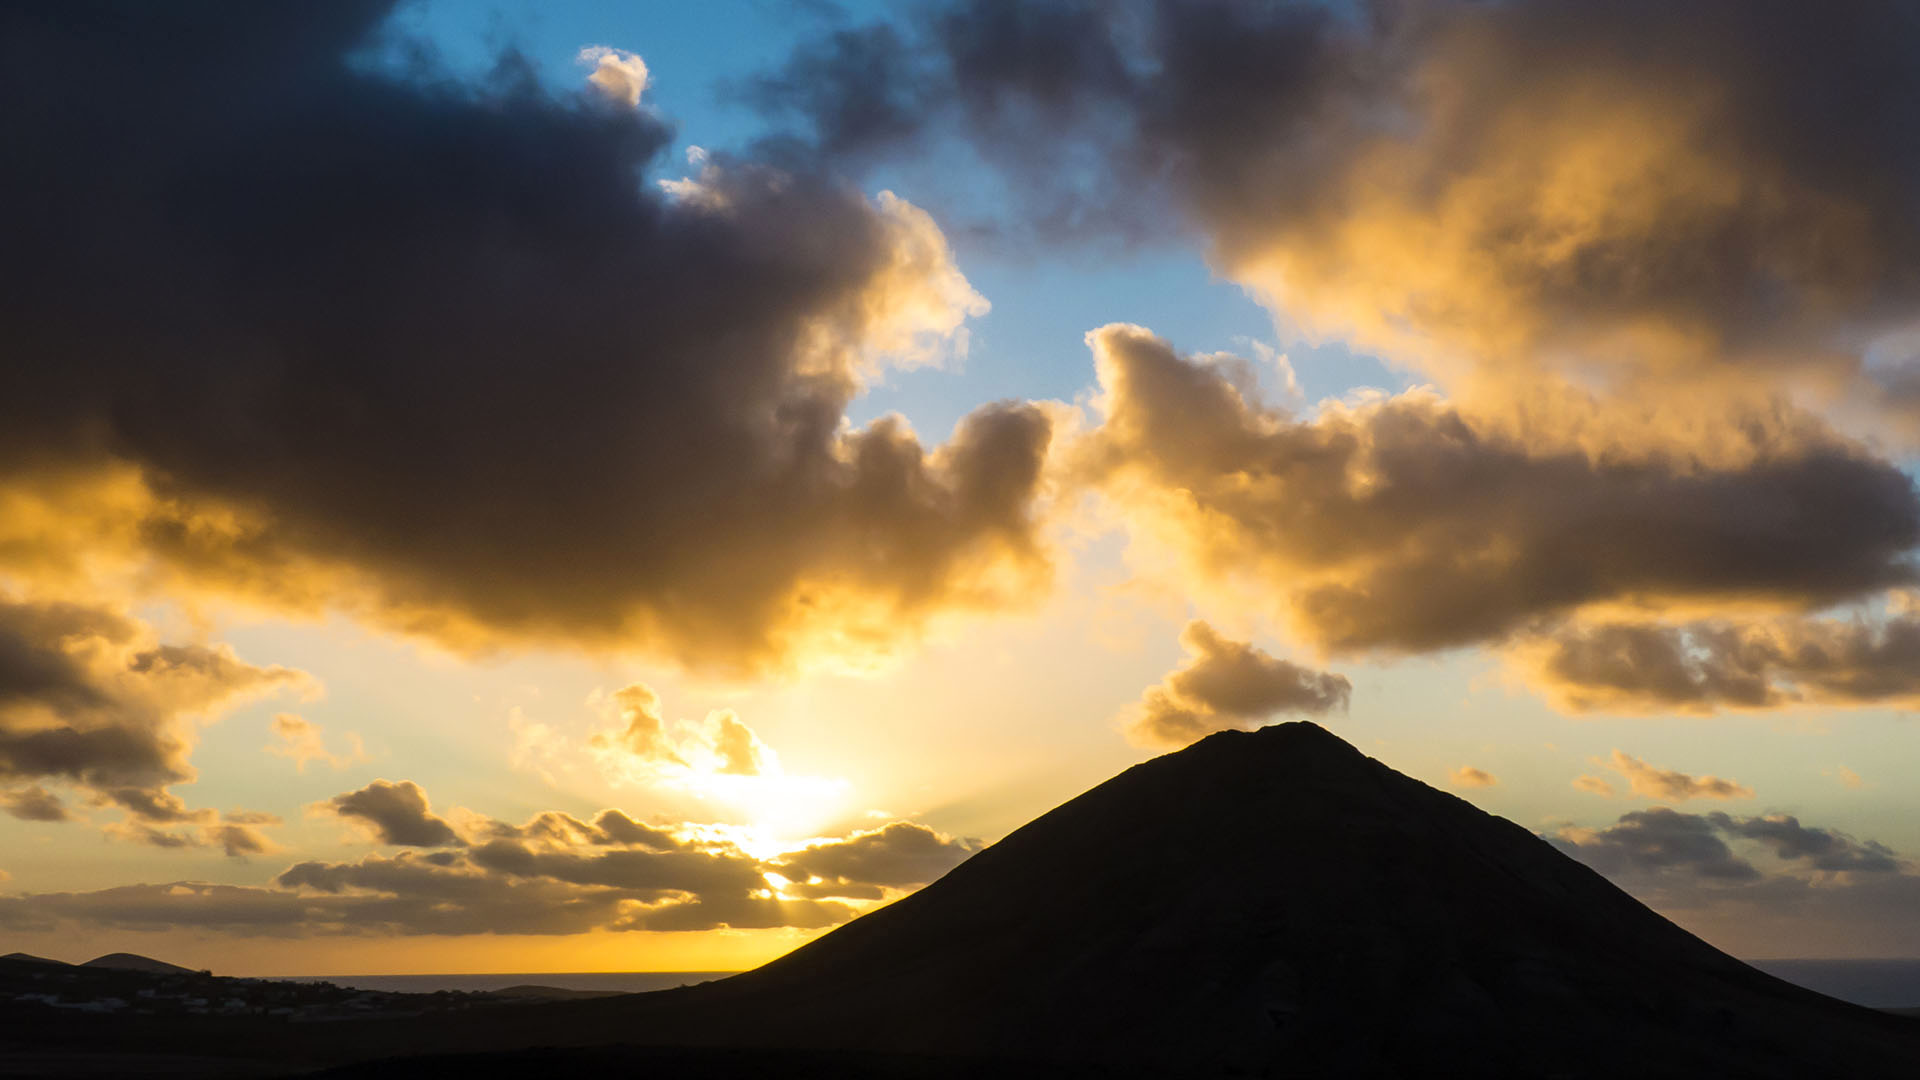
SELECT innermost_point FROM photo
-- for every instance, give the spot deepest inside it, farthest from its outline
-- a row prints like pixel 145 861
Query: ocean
pixel 626 982
pixel 1879 984
pixel 1874 983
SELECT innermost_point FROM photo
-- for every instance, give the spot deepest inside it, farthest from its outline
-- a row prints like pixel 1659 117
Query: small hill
pixel 535 992
pixel 29 958
pixel 122 961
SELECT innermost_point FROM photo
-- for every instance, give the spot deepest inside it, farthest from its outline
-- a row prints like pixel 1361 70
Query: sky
pixel 582 486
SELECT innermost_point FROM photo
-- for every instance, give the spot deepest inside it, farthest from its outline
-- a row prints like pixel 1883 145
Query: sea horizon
pixel 1876 983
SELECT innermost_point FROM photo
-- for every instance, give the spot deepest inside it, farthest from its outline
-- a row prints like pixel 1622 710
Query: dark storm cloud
pixel 87 697
pixel 1404 524
pixel 398 814
pixel 447 356
pixel 1716 664
pixel 1229 684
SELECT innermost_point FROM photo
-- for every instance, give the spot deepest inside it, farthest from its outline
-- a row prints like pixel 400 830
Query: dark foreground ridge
pixel 1271 903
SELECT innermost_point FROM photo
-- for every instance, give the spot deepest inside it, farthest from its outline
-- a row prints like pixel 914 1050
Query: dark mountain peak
pixel 1299 745
pixel 1301 735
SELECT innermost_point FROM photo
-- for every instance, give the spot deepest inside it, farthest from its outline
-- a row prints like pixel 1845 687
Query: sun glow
pixel 774 814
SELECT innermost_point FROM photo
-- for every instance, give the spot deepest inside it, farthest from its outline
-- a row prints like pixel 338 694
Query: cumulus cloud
pixel 1468 776
pixel 1656 783
pixel 1593 785
pixel 1713 664
pixel 1403 524
pixel 1228 684
pixel 89 697
pixel 305 741
pixel 239 840
pixel 642 738
pixel 397 813
pixel 34 803
pixel 1656 839
pixel 617 73
pixel 901 855
pixel 507 391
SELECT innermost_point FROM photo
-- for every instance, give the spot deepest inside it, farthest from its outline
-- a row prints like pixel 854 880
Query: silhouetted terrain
pixel 1270 904
pixel 121 961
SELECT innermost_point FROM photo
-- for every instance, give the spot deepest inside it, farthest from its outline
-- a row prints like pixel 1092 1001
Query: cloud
pixel 239 840
pixel 89 697
pixel 1661 840
pixel 553 874
pixel 1228 684
pixel 902 855
pixel 475 377
pixel 34 803
pixel 1617 194
pixel 618 828
pixel 1822 849
pixel 642 738
pixel 1657 839
pixel 1712 664
pixel 1654 783
pixel 1401 524
pixel 1468 776
pixel 617 73
pixel 1847 777
pixel 237 834
pixel 302 740
pixel 397 813
pixel 1593 785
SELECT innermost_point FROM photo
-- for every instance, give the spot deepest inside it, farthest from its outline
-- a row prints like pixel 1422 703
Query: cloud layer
pixel 1403 524
pixel 554 874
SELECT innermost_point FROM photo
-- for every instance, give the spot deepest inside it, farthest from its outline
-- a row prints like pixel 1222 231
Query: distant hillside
pixel 29 958
pixel 125 961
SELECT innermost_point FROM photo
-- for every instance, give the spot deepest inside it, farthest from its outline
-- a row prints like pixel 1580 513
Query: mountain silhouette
pixel 124 961
pixel 1276 903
